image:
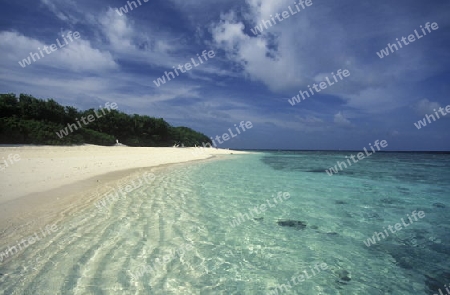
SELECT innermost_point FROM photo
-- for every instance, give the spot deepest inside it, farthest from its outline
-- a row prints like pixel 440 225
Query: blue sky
pixel 251 76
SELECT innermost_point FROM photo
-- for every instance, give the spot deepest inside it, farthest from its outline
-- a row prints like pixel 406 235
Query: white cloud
pixel 77 55
pixel 62 15
pixel 80 56
pixel 310 45
pixel 424 107
pixel 311 120
pixel 394 133
pixel 376 99
pixel 341 120
pixel 118 30
pixel 255 55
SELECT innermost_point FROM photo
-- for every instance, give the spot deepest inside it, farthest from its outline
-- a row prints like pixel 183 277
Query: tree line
pixel 29 120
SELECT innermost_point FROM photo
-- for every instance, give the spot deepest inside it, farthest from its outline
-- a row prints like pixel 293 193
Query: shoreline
pixel 25 206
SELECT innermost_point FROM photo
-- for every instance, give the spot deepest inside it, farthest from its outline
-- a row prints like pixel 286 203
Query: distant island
pixel 29 120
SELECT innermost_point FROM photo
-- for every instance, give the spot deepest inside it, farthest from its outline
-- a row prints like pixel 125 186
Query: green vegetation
pixel 28 120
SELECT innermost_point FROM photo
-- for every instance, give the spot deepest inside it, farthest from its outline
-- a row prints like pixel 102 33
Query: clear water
pixel 185 217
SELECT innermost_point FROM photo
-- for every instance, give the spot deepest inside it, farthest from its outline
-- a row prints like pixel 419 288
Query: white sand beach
pixel 47 180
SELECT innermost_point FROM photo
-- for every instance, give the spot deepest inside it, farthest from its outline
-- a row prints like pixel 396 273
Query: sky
pixel 248 77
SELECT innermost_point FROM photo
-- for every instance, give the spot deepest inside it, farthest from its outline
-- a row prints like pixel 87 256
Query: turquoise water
pixel 194 230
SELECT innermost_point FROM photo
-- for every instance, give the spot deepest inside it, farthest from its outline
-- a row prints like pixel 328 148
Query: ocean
pixel 263 223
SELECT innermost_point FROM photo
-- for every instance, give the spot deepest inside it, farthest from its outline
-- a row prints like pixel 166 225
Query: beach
pixel 40 182
pixel 45 168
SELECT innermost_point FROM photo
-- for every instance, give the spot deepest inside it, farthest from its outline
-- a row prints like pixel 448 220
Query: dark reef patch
pixel 439 205
pixel 434 282
pixel 343 276
pixel 316 170
pixel 388 201
pixel 372 215
pixel 292 223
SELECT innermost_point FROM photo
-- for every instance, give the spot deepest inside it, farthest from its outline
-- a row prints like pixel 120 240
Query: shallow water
pixel 181 233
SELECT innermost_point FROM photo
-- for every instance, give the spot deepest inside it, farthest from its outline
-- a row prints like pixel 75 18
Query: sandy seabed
pixel 40 185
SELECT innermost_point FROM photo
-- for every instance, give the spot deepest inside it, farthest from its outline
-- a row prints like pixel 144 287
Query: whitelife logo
pixel 285 14
pixel 423 123
pixel 360 156
pixel 123 10
pixel 298 279
pixel 187 66
pixel 90 118
pixel 323 85
pixel 242 217
pixel 440 291
pixel 225 136
pixel 123 190
pixel 35 56
pixel 397 226
pixel 12 159
pixel 30 240
pixel 411 38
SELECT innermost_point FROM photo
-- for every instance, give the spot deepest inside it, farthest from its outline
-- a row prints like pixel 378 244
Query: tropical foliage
pixel 28 120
